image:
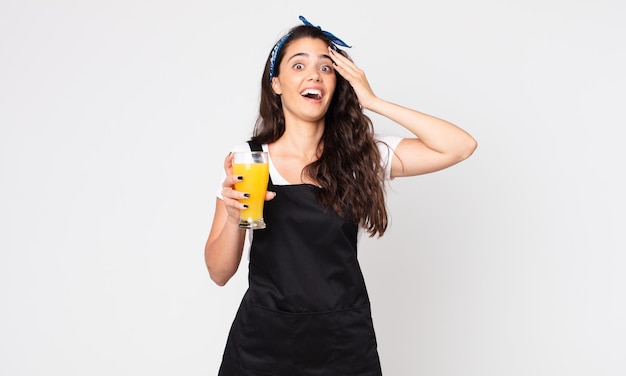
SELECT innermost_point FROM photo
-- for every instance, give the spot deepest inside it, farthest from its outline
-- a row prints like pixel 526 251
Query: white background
pixel 116 115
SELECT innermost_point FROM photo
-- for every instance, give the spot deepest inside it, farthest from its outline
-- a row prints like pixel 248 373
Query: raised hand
pixel 355 76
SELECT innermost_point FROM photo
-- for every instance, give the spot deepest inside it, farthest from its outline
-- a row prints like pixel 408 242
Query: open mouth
pixel 312 93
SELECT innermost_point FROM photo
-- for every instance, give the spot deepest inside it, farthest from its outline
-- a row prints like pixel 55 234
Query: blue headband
pixel 335 41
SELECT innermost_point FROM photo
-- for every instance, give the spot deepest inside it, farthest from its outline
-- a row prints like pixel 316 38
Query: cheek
pixel 332 86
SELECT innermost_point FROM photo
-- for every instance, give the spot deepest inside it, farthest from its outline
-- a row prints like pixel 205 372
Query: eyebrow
pixel 307 55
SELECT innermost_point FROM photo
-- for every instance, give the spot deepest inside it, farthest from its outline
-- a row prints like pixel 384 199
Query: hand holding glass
pixel 254 168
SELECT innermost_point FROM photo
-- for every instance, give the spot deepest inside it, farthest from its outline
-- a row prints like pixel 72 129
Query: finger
pixel 233 194
pixel 228 163
pixel 343 63
pixel 229 191
pixel 352 75
pixel 234 199
pixel 230 180
pixel 269 195
pixel 336 56
pixel 228 185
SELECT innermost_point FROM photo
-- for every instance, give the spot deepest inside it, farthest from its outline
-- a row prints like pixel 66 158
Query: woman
pixel 306 311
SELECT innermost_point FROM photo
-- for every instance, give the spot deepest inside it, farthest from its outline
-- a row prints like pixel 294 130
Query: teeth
pixel 312 93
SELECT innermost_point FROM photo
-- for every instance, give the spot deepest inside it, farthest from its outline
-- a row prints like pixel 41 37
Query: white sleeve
pixel 387 146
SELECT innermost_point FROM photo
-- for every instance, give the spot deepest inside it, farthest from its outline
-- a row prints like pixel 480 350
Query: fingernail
pixel 246 195
pixel 239 177
pixel 245 206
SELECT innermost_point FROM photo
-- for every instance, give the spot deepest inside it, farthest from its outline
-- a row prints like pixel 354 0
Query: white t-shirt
pixel 386 145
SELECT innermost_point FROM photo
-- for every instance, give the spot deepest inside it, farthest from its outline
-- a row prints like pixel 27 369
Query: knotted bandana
pixel 335 41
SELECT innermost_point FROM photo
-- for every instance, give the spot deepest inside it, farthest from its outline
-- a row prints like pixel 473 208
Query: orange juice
pixel 255 178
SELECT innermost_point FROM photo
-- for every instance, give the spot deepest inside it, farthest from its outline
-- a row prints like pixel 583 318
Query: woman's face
pixel 307 79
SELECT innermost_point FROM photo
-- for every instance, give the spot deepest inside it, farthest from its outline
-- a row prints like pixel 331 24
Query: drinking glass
pixel 253 166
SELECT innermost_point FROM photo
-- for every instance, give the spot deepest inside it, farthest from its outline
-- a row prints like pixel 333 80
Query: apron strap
pixel 254 146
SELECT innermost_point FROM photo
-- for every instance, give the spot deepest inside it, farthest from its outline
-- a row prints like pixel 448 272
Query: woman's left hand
pixel 355 76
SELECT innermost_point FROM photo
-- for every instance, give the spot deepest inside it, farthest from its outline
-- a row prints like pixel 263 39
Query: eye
pixel 298 66
pixel 326 68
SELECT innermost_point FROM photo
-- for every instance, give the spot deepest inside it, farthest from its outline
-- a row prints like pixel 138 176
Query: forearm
pixel 437 134
pixel 223 249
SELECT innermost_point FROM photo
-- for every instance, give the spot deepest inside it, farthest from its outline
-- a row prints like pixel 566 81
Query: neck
pixel 302 138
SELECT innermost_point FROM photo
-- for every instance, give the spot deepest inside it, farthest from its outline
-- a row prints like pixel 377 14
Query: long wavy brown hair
pixel 348 170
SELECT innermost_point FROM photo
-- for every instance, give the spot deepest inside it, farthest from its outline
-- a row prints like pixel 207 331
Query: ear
pixel 276 86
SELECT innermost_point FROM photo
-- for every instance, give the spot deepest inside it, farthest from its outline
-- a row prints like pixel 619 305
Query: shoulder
pixel 387 141
pixel 387 146
pixel 243 146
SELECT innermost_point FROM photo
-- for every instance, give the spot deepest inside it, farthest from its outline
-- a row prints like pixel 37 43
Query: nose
pixel 314 75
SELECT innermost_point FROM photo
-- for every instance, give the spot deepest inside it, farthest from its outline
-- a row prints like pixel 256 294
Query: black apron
pixel 306 310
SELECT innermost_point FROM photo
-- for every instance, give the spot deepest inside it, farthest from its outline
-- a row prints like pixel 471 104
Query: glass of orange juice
pixel 253 166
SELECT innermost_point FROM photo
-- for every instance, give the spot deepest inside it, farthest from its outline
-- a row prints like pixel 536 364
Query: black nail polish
pixel 239 177
pixel 247 195
pixel 245 206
